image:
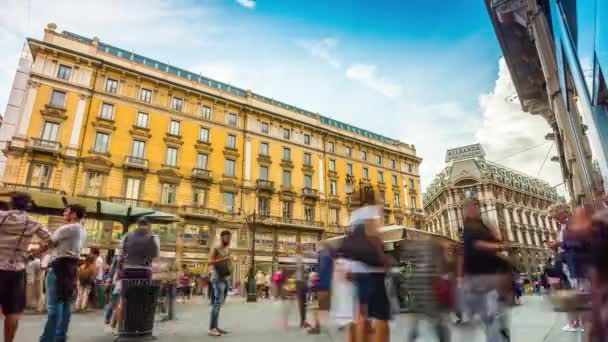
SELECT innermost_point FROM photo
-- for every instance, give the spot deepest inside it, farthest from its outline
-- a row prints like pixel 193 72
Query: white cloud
pixel 247 3
pixel 325 49
pixel 506 130
pixel 367 75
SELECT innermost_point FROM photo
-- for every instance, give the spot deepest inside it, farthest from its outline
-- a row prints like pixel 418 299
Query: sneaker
pixel 222 331
pixel 214 333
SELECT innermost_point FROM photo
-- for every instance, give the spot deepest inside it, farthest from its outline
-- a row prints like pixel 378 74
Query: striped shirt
pixel 17 229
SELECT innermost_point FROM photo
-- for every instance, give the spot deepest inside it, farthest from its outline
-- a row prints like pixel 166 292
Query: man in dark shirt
pixel 220 260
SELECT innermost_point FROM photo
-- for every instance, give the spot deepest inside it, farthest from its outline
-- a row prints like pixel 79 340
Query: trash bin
pixel 139 306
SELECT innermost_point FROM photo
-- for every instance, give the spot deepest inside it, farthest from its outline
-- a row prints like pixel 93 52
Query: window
pixel 393 164
pixel 363 155
pixel 286 154
pixel 264 206
pixel 230 168
pixel 228 202
pixel 309 213
pixel 286 133
pixel 397 200
pixel 199 197
pixel 142 120
pixel 409 167
pixel 349 169
pixel 308 181
pixel 365 173
pixel 145 95
pixel 380 177
pixel 49 132
pixel 171 156
pixel 174 127
pixel 177 104
pixel 287 209
pixel 334 216
pixel 107 111
pixel 413 200
pixel 57 99
pixel 264 127
pixel 232 119
pixel 398 221
pixel 231 142
pixel 201 161
pixel 264 149
pixel 204 135
pixel 206 112
pixel 41 175
pixel 168 193
pixel 332 165
pixel 64 72
pixel 378 159
pixel 94 184
pixel 264 173
pixel 333 188
pixel 331 147
pixel 348 151
pixel 307 159
pixel 139 149
pixel 286 178
pixel 101 142
pixel 111 85
pixel 395 180
pixel 132 188
pixel 306 139
pixel 412 184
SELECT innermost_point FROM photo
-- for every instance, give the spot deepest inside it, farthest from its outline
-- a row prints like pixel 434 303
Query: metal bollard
pixel 139 305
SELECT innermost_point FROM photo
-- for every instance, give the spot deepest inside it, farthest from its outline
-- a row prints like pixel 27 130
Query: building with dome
pixel 511 200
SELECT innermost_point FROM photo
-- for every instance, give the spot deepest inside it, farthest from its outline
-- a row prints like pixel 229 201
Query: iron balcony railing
pixel 264 218
pixel 45 145
pixel 24 187
pixel 138 162
pixel 198 210
pixel 131 201
pixel 201 173
pixel 264 185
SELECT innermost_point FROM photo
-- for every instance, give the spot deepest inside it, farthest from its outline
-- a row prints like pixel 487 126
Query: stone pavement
pixel 530 322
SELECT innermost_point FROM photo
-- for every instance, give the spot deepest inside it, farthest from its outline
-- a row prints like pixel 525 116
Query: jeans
pixel 59 313
pixel 111 307
pixel 218 286
pixel 482 298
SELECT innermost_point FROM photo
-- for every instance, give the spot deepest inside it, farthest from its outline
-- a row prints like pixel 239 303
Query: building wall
pixel 74 159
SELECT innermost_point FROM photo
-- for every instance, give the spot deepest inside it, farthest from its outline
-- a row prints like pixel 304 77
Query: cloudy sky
pixel 429 75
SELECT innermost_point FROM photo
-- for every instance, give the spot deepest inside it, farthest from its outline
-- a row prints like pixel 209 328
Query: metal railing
pixel 136 162
pixel 24 187
pixel 201 173
pixel 264 184
pixel 309 192
pixel 46 145
pixel 263 218
pixel 131 201
pixel 192 209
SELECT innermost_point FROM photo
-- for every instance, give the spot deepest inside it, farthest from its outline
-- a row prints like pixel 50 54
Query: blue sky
pixel 425 72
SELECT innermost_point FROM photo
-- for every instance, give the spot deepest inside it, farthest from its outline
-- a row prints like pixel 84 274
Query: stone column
pixel 248 159
pixel 451 223
pixel 26 115
pixel 321 175
pixel 78 117
pixel 508 224
pixel 516 217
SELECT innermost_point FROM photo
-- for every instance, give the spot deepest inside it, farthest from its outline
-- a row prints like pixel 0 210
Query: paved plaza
pixel 531 322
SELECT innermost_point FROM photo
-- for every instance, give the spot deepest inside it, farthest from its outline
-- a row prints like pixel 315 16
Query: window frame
pixel 332 165
pixel 145 95
pixel 111 85
pixel 107 142
pixel 236 119
pixel 264 149
pixel 177 103
pixel 365 173
pixel 307 139
pixel 231 141
pixel 232 197
pixel 54 131
pixel 172 124
pixel 286 176
pixel 137 119
pixel 331 146
pixel 380 176
pixel 286 153
pixel 286 133
pixel 53 104
pixel 265 174
pixel 307 159
pixel 349 169
pixel 204 137
pixel 202 156
pixel 206 112
pixel 264 127
pixel 333 188
pixel 138 142
pixel 168 191
pixel 175 155
pixel 103 113
pixel 232 173
pixel 61 72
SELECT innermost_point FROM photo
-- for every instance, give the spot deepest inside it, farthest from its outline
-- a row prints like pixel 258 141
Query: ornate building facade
pixel 91 120
pixel 512 201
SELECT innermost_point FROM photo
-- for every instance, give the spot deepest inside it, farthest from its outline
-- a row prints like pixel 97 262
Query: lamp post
pixel 252 295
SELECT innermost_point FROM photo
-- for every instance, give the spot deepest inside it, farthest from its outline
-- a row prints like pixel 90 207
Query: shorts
pixel 12 292
pixel 371 292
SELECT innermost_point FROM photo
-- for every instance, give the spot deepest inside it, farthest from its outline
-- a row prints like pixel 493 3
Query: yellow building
pixel 98 121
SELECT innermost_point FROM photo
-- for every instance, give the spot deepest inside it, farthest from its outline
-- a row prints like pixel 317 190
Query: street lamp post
pixel 251 288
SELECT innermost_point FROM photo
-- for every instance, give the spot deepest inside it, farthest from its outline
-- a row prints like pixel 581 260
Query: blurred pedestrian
pixel 86 282
pixel 17 228
pixel 326 265
pixel 484 272
pixel 100 269
pixel 62 277
pixel 301 290
pixel 221 262
pixel 185 284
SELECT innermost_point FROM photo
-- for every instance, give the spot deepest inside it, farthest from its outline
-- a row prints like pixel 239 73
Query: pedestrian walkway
pixel 531 322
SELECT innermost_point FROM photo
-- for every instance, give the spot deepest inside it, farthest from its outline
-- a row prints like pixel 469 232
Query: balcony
pixel 136 162
pixel 199 211
pixel 169 208
pixel 387 207
pixel 23 187
pixel 287 221
pixel 131 201
pixel 202 174
pixel 310 193
pixel 45 145
pixel 264 185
